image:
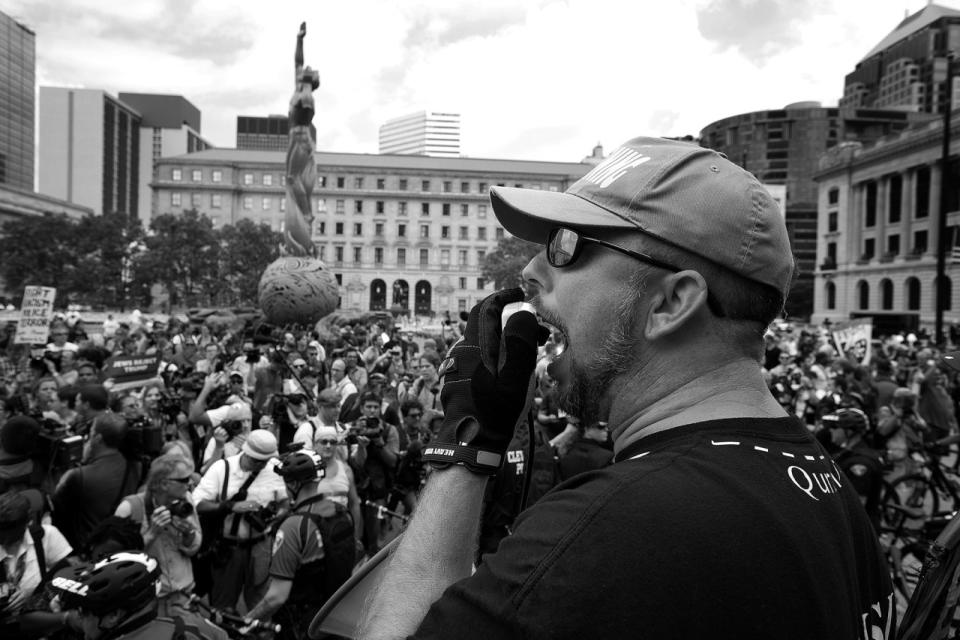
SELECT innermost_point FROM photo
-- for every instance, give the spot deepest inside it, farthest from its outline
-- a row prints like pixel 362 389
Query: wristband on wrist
pixel 479 461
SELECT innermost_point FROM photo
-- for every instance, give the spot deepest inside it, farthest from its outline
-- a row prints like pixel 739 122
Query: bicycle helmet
pixel 125 580
pixel 302 466
pixel 848 419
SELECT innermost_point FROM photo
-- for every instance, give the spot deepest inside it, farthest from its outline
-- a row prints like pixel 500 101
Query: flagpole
pixel 945 183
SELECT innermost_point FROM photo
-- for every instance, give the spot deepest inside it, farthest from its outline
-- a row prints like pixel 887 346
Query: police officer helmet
pixel 848 419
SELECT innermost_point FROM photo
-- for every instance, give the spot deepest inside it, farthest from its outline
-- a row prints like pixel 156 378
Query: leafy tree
pixel 39 250
pixel 504 265
pixel 182 253
pixel 246 249
pixel 106 247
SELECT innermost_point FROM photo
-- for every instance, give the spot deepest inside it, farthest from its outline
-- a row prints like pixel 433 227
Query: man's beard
pixel 589 380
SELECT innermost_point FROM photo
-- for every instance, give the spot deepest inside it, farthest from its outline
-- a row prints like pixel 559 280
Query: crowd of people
pixel 255 471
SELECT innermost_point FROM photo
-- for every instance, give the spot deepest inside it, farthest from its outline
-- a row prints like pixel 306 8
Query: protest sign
pixel 131 371
pixel 853 339
pixel 36 312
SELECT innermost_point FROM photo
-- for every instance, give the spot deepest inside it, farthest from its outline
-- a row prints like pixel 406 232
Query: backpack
pixel 339 546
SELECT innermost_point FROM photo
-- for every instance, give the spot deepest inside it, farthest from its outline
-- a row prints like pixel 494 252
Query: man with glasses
pixel 663 267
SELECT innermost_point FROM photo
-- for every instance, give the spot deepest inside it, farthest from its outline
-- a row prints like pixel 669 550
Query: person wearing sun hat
pixel 721 516
pixel 250 485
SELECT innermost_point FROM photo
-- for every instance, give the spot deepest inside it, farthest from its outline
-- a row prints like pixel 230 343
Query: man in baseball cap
pixel 720 515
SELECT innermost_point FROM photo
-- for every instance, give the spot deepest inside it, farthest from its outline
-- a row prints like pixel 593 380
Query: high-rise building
pixel 783 147
pixel 400 232
pixel 17 78
pixel 171 124
pixel 89 149
pixel 268 133
pixel 426 133
pixel 907 69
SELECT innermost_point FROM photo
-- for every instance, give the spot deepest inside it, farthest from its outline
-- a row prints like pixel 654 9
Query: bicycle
pixel 923 491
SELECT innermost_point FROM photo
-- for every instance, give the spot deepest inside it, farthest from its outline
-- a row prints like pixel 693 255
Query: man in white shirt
pixel 242 567
pixel 224 442
pixel 339 380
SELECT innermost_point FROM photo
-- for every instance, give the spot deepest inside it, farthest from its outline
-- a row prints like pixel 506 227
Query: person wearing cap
pixel 662 268
pixel 233 410
pixel 842 436
pixel 244 540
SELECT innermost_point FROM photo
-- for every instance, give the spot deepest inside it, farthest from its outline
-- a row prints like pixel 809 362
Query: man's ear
pixel 674 301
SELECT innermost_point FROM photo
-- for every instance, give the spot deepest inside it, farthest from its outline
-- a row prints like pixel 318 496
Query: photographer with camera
pixel 378 452
pixel 169 526
pixel 315 547
pixel 227 425
pixel 426 387
pixel 245 365
pixel 241 493
pixel 88 494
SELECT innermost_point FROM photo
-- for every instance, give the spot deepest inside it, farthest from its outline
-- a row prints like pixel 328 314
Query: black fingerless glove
pixel 486 376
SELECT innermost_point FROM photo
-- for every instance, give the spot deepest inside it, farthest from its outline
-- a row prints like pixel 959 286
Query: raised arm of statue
pixel 298 57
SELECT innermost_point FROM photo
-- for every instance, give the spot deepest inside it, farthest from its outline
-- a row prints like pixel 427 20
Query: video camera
pixel 180 508
pixel 371 428
pixel 55 447
pixel 143 438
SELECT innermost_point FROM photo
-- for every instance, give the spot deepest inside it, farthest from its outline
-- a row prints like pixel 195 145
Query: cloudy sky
pixel 532 79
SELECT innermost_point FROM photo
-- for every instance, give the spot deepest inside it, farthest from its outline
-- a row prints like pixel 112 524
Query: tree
pixel 504 265
pixel 182 253
pixel 39 250
pixel 105 245
pixel 246 249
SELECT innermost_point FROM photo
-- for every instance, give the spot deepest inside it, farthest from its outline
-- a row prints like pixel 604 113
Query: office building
pixel 783 147
pixel 426 133
pixel 403 233
pixel 878 238
pixel 89 150
pixel 171 125
pixel 907 69
pixel 266 134
pixel 17 79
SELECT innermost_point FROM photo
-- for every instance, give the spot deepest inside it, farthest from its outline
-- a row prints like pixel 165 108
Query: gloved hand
pixel 486 376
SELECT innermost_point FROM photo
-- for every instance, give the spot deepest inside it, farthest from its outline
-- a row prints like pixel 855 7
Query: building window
pixel 283 204
pixel 322 181
pixel 378 256
pixel 338 229
pixel 464 233
pixel 339 277
pixel 266 204
pixel 893 245
pixel 863 295
pixel 321 205
pixel 481 233
pixel 830 294
pixel 358 206
pixel 445 209
pixel 338 254
pixel 869 249
pixel 912 285
pixel 403 184
pixel 424 231
pixel 462 257
pixel 832 221
pixel 481 256
pixel 896 196
pixel 381 184
pixel 380 206
pixel 248 202
pixel 922 192
pixel 175 199
pixel 481 283
pixel 196 175
pixel 339 206
pixel 464 210
pixel 424 185
pixel 462 282
pixel 322 228
pixel 886 294
pixel 402 208
pixel 481 211
pixel 464 187
pixel 482 187
pixel 870 218
pixel 447 186
pixel 358 228
pixel 445 257
pixel 217 175
pixel 445 232
pixel 323 252
pixel 919 242
pixel 378 229
pixel 424 208
pixel 341 181
pixel 424 257
pixel 176 174
pixel 358 183
pixel 461 304
pixel 215 200
pixel 248 179
pixel 401 257
pixel 401 231
pixel 357 255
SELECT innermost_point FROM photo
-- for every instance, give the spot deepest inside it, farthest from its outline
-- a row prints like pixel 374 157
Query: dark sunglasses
pixel 414 415
pixel 181 480
pixel 328 442
pixel 565 245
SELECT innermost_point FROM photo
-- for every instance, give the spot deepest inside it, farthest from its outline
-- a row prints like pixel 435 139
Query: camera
pixel 233 428
pixel 180 508
pixel 55 446
pixel 366 427
pixel 143 438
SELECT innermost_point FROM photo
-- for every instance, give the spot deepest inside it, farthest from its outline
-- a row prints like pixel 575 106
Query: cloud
pixel 759 29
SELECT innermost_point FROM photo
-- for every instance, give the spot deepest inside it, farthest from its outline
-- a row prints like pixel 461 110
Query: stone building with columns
pixel 878 208
pixel 401 233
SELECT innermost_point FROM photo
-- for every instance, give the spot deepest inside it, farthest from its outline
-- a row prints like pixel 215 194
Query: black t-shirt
pixel 723 529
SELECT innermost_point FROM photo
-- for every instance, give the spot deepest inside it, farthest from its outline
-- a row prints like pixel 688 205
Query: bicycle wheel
pixel 916 494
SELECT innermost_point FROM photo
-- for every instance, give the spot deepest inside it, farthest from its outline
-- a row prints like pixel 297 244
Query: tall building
pixel 172 125
pixel 783 147
pixel 89 150
pixel 17 78
pixel 426 133
pixel 268 133
pixel 400 232
pixel 906 70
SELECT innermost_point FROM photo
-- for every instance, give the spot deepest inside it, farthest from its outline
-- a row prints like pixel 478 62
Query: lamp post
pixel 945 184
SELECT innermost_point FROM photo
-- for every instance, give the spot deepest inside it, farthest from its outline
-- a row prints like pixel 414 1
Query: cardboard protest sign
pixel 854 338
pixel 36 312
pixel 131 371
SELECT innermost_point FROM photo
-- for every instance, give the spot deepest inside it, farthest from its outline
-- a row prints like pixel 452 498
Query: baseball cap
pixel 328 398
pixel 680 193
pixel 299 362
pixel 235 374
pixel 260 445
